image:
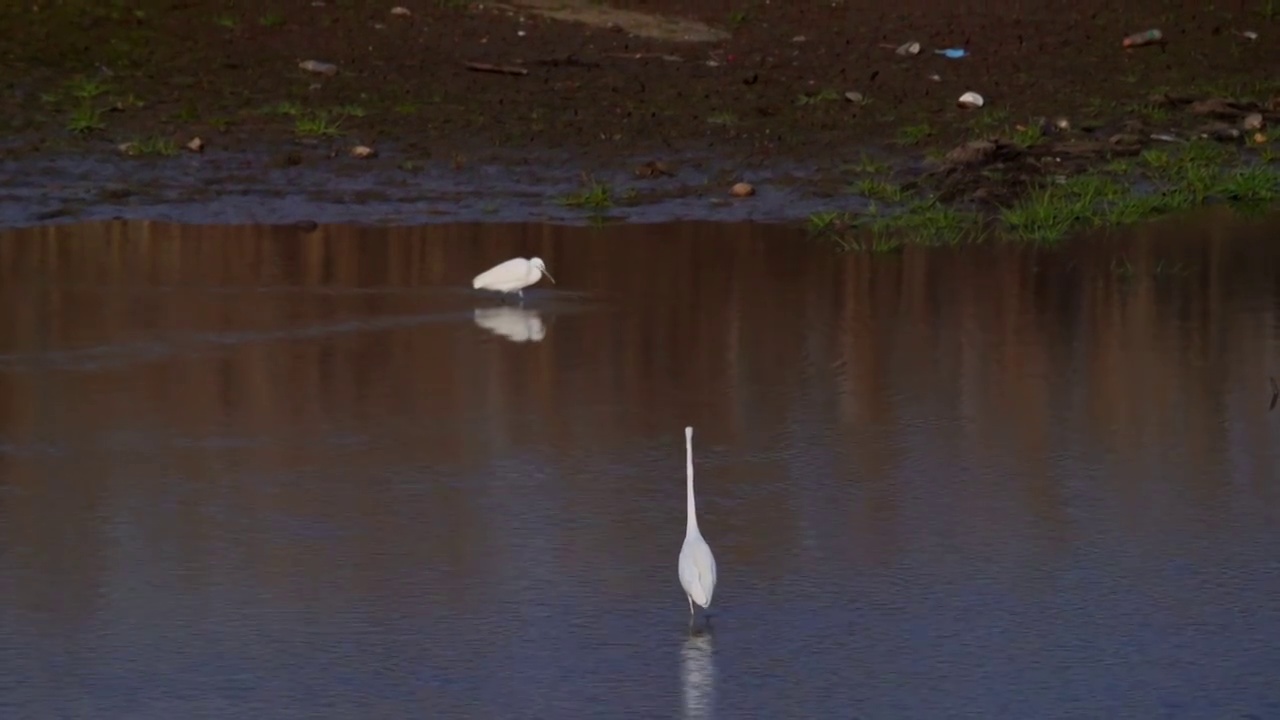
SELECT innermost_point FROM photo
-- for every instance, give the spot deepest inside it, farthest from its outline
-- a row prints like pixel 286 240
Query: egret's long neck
pixel 691 525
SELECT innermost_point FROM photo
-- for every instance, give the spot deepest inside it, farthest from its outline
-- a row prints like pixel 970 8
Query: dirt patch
pixel 645 25
pixel 762 97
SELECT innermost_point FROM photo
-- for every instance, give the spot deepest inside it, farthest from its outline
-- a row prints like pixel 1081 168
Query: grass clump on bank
pixel 150 147
pixel 594 196
pixel 1159 183
pixel 80 99
pixel 924 222
pixel 1051 207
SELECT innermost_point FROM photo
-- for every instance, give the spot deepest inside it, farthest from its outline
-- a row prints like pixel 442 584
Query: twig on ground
pixel 500 69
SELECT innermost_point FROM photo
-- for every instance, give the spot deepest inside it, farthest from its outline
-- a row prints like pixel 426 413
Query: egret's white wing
pixel 708 572
pixel 698 570
pixel 706 564
pixel 689 576
pixel 505 272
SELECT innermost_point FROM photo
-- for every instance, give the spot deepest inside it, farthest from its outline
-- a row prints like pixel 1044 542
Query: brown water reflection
pixel 265 472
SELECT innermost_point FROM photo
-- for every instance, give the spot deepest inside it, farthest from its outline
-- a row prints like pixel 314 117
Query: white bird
pixel 697 564
pixel 513 275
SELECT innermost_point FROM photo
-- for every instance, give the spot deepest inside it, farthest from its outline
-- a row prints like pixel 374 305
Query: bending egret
pixel 697 564
pixel 513 275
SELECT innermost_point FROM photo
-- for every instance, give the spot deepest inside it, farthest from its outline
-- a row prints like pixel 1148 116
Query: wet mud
pixel 562 111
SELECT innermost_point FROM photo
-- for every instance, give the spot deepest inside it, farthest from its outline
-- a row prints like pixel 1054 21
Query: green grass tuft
pixel 595 196
pixel 1158 182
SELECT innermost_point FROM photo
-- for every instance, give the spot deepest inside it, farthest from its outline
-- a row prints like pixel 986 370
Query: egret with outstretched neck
pixel 697 564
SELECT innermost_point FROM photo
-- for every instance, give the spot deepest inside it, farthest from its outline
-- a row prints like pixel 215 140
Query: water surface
pixel 260 472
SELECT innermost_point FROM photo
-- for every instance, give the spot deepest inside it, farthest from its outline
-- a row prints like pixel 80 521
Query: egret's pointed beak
pixel 544 272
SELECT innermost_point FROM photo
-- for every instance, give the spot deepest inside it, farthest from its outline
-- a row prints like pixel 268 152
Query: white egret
pixel 513 275
pixel 515 324
pixel 697 564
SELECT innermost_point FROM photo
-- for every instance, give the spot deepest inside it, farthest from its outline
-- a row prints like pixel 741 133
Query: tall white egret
pixel 697 564
pixel 513 275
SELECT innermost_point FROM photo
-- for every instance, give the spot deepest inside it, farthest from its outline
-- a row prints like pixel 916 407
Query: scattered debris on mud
pixel 788 94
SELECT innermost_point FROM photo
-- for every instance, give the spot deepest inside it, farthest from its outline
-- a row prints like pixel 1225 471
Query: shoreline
pixel 1006 186
pixel 110 116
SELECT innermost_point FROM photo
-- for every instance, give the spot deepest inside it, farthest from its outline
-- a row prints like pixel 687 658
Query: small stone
pixel 1259 138
pixel 363 151
pixel 971 100
pixel 315 66
pixel 911 48
pixel 1062 124
pixel 398 10
pixel 1252 121
pixel 854 96
pixel 195 145
pixel 129 148
pixel 742 190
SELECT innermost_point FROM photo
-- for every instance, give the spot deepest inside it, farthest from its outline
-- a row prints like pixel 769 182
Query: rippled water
pixel 264 473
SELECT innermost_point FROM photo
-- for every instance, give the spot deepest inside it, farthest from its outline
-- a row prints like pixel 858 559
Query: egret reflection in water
pixel 516 324
pixel 698 676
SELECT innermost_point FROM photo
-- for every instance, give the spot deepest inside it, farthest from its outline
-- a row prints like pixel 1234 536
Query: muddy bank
pixel 948 199
pixel 580 111
pixel 235 188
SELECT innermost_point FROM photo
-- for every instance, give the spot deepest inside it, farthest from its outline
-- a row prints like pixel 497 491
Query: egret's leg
pixel 690 599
